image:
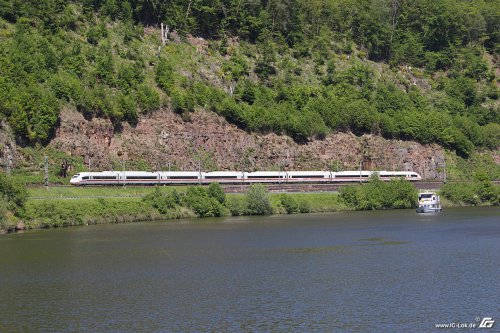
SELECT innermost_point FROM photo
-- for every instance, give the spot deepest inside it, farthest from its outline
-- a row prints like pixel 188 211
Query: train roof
pixel 395 172
pixel 350 173
pixel 308 173
pixel 95 173
pixel 266 173
pixel 138 173
pixel 179 173
pixel 223 173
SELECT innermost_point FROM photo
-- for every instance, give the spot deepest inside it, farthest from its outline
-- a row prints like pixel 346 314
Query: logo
pixel 487 322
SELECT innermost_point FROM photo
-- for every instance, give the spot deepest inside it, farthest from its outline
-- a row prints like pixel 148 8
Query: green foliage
pixel 297 68
pixel 491 134
pixel 480 191
pixel 289 203
pixel 217 192
pixel 147 98
pixel 96 33
pixel 237 205
pixel 163 202
pixel 258 200
pixel 377 194
pixel 202 203
pixel 58 213
pixel 13 193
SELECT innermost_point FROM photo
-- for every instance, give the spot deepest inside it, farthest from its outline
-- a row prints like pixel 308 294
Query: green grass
pixel 73 191
pixel 318 202
pixel 60 212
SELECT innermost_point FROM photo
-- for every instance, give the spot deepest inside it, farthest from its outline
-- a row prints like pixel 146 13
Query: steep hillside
pixel 209 142
pixel 304 85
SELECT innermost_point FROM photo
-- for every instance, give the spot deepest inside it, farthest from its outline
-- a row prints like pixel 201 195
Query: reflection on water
pixel 393 271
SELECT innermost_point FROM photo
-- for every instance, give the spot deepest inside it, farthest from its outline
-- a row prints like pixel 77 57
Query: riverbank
pixel 57 212
pixel 70 206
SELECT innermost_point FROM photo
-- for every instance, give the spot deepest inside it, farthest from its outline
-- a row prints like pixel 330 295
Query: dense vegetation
pixel 481 191
pixel 377 194
pixel 13 196
pixel 211 201
pixel 300 67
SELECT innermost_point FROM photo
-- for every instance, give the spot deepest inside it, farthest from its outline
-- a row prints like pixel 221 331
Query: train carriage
pixel 223 177
pixel 309 176
pixel 266 177
pixel 180 177
pixel 96 178
pixel 231 177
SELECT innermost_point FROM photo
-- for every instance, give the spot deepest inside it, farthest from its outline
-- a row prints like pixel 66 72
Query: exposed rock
pixel 164 138
pixel 20 226
pixel 8 148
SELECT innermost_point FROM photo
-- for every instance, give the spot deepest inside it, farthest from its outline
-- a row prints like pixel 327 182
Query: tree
pixel 258 200
pixel 216 191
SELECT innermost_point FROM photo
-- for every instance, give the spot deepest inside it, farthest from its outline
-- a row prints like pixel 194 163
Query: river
pixel 383 271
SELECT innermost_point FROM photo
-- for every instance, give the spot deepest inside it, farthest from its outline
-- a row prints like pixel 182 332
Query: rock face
pixel 209 142
pixel 8 148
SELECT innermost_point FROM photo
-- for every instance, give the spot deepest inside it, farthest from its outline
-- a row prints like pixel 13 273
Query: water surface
pixel 394 271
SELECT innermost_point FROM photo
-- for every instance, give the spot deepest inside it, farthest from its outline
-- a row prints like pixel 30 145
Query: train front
pixel 76 179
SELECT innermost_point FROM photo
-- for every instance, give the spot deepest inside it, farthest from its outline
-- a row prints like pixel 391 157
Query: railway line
pixel 95 193
pixel 307 188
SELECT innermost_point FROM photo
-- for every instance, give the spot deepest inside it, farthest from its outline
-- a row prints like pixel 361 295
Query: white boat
pixel 428 202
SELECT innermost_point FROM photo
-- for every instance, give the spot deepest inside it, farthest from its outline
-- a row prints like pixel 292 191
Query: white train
pixel 230 177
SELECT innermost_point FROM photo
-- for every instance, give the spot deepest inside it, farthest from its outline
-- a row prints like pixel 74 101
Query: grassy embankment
pixel 129 206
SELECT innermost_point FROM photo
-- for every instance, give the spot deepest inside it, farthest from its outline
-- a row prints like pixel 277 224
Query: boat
pixel 428 202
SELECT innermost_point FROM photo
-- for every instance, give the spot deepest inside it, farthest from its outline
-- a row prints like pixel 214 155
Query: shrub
pixel 482 190
pixel 491 133
pixel 460 193
pixel 289 203
pixel 237 205
pixel 147 98
pixel 258 200
pixel 14 194
pixel 377 194
pixel 198 199
pixel 163 202
pixel 216 191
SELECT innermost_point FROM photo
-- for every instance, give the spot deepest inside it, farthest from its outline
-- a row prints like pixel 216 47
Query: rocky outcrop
pixel 209 142
pixel 8 148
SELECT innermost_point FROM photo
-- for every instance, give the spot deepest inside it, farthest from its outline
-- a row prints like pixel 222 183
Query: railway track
pixel 273 188
pixel 292 188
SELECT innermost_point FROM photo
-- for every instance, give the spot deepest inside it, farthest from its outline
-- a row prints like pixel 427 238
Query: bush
pixel 491 134
pixel 304 206
pixel 258 200
pixel 289 203
pixel 198 199
pixel 237 205
pixel 377 194
pixel 481 191
pixel 14 194
pixel 163 202
pixel 216 191
pixel 460 193
pixel 147 98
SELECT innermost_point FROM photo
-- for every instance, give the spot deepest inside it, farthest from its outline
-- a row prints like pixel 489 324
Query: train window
pixel 414 175
pixel 345 176
pixel 308 176
pixel 183 177
pixel 142 177
pixel 264 177
pixel 85 178
pixel 105 177
pixel 220 177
